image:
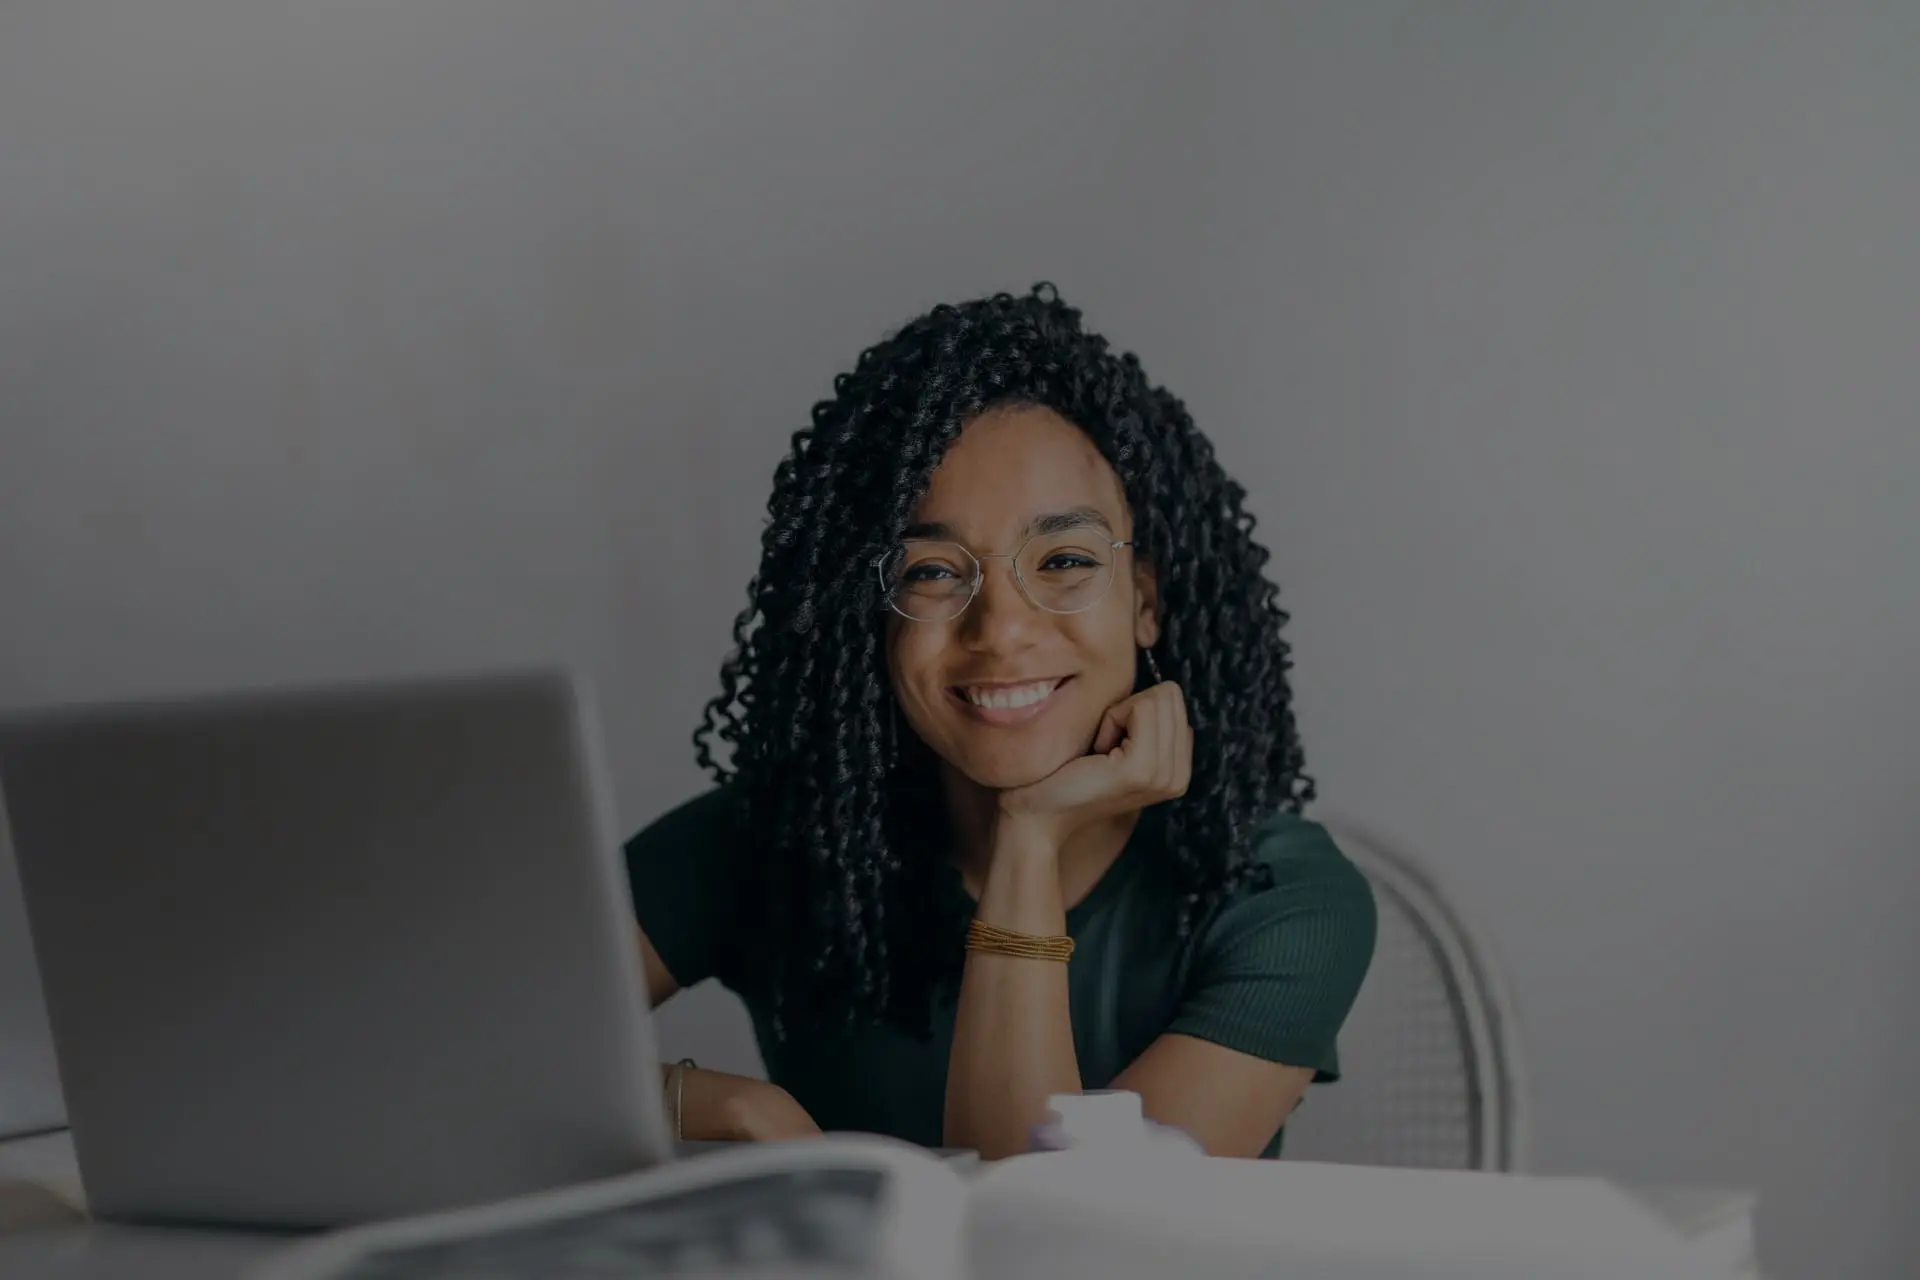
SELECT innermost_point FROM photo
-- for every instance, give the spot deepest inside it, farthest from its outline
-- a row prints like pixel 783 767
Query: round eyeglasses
pixel 1065 572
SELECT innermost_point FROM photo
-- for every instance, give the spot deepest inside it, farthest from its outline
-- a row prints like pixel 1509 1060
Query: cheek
pixel 1106 645
pixel 913 664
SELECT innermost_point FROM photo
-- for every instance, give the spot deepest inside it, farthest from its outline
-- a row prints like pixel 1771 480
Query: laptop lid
pixel 325 955
pixel 30 1100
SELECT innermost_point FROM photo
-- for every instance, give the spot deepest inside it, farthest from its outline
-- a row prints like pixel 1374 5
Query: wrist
pixel 1021 891
pixel 1026 837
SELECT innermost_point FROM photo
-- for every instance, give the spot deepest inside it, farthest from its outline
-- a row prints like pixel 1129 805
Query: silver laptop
pixel 320 956
pixel 30 1101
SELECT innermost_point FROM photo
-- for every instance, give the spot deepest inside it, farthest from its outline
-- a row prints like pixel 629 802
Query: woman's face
pixel 1008 692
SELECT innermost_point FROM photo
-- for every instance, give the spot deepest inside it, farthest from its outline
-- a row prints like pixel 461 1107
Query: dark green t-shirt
pixel 1270 973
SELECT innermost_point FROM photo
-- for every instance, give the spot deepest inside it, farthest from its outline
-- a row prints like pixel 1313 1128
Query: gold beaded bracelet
pixel 982 936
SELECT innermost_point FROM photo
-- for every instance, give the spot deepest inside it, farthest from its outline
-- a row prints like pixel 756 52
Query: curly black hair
pixel 842 909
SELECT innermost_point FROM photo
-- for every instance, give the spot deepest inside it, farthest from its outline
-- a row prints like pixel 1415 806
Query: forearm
pixel 1013 1032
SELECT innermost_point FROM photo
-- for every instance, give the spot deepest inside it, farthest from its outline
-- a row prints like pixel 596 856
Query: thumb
pixel 1113 727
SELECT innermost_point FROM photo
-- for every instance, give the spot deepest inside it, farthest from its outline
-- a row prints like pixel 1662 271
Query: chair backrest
pixel 1432 1073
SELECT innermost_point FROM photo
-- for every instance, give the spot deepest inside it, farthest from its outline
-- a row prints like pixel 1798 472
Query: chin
pixel 1006 770
pixel 1003 779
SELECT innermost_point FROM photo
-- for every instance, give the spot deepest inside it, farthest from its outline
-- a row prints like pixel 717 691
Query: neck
pixel 1083 858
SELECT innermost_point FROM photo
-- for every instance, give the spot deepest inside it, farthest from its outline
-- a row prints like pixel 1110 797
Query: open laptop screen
pixel 30 1098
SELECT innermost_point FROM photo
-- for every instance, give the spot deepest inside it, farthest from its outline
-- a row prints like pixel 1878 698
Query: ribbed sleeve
pixel 1276 972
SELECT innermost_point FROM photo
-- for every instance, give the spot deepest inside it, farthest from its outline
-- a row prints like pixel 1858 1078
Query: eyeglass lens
pixel 1060 572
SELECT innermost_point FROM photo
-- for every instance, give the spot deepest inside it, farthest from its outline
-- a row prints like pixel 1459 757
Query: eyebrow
pixel 1052 522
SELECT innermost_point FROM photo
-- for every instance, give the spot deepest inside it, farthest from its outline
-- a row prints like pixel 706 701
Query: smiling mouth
pixel 1008 703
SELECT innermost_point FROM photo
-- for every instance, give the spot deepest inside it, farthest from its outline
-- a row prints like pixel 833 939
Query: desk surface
pixel 126 1253
pixel 61 1245
pixel 45 1234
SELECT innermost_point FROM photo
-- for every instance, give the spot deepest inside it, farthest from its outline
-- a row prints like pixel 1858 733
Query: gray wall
pixel 1573 353
pixel 1567 352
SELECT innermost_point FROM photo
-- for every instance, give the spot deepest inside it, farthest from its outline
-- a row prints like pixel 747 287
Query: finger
pixel 1117 723
pixel 1149 740
pixel 1146 736
pixel 1177 699
pixel 1183 758
pixel 1180 742
pixel 1173 730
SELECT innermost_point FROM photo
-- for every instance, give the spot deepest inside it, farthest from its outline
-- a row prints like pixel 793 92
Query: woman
pixel 1010 686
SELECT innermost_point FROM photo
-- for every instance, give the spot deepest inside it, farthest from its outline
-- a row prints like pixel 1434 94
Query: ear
pixel 1146 611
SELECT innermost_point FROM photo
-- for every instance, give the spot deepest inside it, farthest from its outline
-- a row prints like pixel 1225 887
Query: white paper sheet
pixel 1051 1215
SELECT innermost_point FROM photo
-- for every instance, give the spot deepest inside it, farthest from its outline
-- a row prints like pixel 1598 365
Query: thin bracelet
pixel 994 940
pixel 677 1087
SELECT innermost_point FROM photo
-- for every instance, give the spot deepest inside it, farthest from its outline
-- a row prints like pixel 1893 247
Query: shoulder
pixel 1317 913
pixel 1307 866
pixel 705 822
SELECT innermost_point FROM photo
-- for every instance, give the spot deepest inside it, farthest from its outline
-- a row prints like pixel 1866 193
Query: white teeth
pixel 1008 697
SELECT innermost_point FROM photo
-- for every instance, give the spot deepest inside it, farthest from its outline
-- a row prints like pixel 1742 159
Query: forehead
pixel 1010 466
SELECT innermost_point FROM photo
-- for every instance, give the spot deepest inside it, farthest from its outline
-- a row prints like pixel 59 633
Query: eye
pixel 929 571
pixel 1061 561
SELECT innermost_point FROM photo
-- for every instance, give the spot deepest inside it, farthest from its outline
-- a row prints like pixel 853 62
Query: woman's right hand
pixel 716 1106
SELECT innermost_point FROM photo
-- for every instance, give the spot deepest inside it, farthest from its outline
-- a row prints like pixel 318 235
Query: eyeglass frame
pixel 980 576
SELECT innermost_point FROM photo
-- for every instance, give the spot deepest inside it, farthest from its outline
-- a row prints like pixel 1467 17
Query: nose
pixel 1000 617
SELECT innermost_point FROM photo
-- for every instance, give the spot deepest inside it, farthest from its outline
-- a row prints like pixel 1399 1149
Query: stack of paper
pixel 1050 1215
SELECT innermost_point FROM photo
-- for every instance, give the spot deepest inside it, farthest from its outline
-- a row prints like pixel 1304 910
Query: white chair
pixel 1432 1074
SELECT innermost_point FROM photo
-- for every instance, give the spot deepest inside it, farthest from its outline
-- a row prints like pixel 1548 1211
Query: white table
pixel 45 1235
